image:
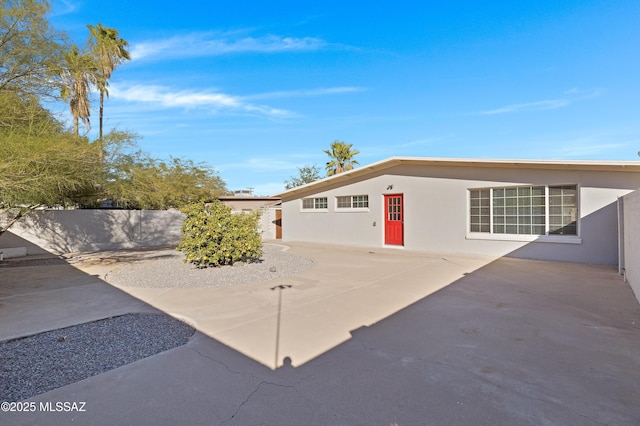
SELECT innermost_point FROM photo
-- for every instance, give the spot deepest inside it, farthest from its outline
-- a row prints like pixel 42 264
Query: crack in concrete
pixel 293 387
pixel 221 363
pixel 253 393
pixel 266 383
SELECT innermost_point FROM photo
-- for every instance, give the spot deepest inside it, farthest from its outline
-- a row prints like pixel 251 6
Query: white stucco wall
pixel 631 208
pixel 436 211
pixel 70 231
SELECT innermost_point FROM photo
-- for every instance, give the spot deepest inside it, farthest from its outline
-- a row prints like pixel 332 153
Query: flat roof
pixel 588 165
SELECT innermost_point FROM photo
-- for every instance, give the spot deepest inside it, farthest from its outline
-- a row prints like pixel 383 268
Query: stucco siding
pixel 631 208
pixel 347 227
pixel 68 231
pixel 436 211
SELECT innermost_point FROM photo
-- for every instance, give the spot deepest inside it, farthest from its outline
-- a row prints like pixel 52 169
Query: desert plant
pixel 212 235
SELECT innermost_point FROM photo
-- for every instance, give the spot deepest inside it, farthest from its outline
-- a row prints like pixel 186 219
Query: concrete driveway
pixel 357 341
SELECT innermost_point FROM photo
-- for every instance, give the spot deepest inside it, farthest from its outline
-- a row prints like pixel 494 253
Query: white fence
pixel 630 240
pixel 70 231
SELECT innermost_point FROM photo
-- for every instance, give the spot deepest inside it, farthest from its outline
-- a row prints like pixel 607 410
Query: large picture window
pixel 524 210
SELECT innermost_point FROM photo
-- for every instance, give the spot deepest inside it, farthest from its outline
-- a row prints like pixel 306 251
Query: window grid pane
pixel 344 202
pixel 519 210
pixel 394 212
pixel 480 212
pixel 320 203
pixel 563 210
pixel 360 201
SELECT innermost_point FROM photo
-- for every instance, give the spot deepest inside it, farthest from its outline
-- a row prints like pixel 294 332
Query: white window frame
pixel 316 202
pixel 546 237
pixel 352 201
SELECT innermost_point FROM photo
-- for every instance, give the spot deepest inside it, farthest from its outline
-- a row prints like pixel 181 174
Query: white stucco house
pixel 540 209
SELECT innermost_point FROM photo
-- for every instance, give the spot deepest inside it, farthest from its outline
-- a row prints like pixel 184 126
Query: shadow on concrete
pixel 8 239
pixel 510 341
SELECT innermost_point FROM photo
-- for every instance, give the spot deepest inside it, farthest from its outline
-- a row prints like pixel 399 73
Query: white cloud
pixel 572 95
pixel 584 148
pixel 215 43
pixel 64 7
pixel 306 92
pixel 162 97
pixel 531 106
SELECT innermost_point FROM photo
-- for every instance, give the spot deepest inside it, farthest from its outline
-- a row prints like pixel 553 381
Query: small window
pixel 353 202
pixel 319 203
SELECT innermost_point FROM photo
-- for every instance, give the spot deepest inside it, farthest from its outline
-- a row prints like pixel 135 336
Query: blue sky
pixel 257 89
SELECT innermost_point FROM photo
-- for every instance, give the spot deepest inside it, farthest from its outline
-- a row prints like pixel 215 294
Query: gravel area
pixel 170 271
pixel 36 364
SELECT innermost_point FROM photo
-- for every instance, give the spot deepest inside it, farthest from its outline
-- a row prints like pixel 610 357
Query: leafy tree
pixel 307 174
pixel 341 157
pixel 30 49
pixel 133 179
pixel 213 235
pixel 44 163
pixel 40 162
pixel 78 75
pixel 109 51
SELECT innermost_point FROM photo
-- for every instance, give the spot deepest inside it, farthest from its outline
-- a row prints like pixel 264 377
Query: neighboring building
pixel 271 218
pixel 541 209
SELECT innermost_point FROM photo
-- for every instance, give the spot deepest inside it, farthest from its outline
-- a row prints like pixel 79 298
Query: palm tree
pixel 341 156
pixel 78 74
pixel 109 51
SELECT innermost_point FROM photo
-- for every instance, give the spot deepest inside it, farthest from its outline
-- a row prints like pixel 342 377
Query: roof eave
pixel 587 165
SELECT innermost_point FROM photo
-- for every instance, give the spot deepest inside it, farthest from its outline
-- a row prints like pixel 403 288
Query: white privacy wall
pixel 70 231
pixel 631 241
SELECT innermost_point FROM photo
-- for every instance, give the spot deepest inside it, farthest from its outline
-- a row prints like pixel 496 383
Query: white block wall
pixel 70 231
pixel 631 241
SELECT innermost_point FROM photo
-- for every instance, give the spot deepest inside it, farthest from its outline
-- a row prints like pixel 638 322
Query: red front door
pixel 394 219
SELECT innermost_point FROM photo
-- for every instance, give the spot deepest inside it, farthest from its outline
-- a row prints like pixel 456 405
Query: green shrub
pixel 214 236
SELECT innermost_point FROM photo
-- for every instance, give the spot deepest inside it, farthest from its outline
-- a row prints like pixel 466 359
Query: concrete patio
pixel 365 337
